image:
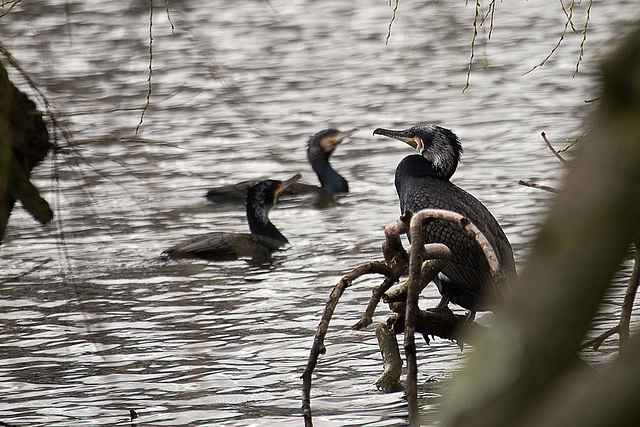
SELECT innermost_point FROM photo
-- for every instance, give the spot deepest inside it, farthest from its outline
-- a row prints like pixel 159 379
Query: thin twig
pixel 377 294
pixel 148 97
pixel 541 63
pixel 166 9
pixel 538 186
pixel 11 4
pixel 393 18
pixel 572 142
pixel 553 150
pixel 630 296
pixel 622 328
pixel 473 45
pixel 569 14
pixel 584 37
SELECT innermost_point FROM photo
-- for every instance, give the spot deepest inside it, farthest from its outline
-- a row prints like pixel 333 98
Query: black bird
pixel 320 147
pixel 263 240
pixel 422 181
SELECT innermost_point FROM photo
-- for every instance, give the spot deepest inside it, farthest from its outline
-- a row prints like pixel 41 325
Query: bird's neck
pixel 416 166
pixel 442 159
pixel 259 223
pixel 330 180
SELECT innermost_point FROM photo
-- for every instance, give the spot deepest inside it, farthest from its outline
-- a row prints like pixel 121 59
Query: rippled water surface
pixel 94 323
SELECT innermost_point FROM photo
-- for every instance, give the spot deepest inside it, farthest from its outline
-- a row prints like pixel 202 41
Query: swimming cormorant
pixel 264 238
pixel 319 149
pixel 422 181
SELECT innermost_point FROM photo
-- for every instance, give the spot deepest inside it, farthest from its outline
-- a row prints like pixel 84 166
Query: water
pixel 94 322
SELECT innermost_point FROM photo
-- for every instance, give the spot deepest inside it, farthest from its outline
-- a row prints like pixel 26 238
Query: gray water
pixel 94 323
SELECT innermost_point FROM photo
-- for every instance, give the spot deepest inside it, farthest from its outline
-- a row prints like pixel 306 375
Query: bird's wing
pixel 230 192
pixel 467 264
pixel 204 246
pixel 221 245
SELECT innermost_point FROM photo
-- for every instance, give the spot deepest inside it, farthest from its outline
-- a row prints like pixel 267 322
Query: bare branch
pixel 11 4
pixel 538 186
pixel 393 18
pixel 166 10
pixel 148 97
pixel 318 347
pixel 584 37
pixel 421 273
pixel 553 150
pixel 473 44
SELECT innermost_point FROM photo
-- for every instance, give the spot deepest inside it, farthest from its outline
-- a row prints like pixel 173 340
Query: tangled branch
pixel 421 264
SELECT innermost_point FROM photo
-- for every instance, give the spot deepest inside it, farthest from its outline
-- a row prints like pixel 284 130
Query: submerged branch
pixel 318 347
pixel 389 381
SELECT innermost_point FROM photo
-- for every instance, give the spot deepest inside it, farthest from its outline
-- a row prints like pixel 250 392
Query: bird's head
pixel 265 193
pixel 283 185
pixel 327 140
pixel 438 145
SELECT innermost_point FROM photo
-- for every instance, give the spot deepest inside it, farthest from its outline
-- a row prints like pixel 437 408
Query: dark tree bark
pixel 24 142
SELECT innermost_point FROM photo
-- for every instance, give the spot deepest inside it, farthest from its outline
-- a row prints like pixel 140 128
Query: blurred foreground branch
pixel 523 371
pixel 24 142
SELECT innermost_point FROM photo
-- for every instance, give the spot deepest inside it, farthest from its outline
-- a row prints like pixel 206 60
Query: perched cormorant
pixel 264 238
pixel 319 149
pixel 422 181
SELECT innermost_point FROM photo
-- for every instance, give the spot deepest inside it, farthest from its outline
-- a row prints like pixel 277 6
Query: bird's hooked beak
pixel 341 136
pixel 402 135
pixel 285 184
pixel 337 138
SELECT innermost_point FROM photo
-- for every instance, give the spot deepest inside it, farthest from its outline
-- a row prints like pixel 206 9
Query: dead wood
pixel 422 264
pixel 389 381
pixel 318 342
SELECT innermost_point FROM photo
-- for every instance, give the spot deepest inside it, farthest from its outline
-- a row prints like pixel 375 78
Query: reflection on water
pixel 101 324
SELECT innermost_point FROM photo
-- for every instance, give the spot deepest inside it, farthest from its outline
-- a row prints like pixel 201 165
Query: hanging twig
pixel 393 18
pixel 166 10
pixel 584 37
pixel 568 11
pixel 473 44
pixel 148 97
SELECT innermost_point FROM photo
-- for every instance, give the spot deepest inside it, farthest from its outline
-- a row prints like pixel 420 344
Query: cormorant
pixel 422 181
pixel 319 149
pixel 264 238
